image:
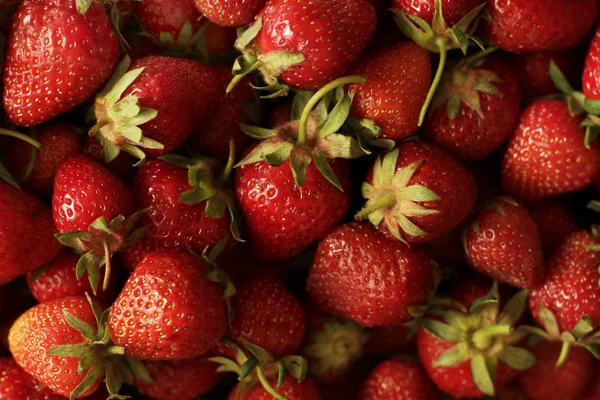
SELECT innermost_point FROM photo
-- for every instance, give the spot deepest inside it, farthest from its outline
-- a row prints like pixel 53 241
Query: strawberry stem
pixel 19 135
pixel 32 158
pixel 482 338
pixel 263 380
pixel 230 162
pixel 441 43
pixel 237 78
pixel 318 96
pixel 384 201
pixel 107 267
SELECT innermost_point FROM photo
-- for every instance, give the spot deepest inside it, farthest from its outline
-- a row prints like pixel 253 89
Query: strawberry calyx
pixel 437 37
pixel 118 119
pixel 35 146
pixel 484 334
pixel 100 242
pixel 391 199
pixel 99 356
pixel 259 366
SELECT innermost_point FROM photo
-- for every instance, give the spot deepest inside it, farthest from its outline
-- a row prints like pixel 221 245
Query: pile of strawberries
pixel 300 199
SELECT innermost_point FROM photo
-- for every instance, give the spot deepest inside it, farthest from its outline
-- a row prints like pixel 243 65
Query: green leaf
pixel 591 106
pixel 81 326
pixel 248 35
pixel 296 366
pixel 559 79
pixel 139 370
pixel 456 355
pixel 341 146
pixel 453 106
pixel 298 163
pixel 513 310
pixel 197 195
pixel 114 381
pixel 39 272
pixel 517 357
pixel 122 85
pixel 281 372
pixel 261 355
pixel 323 166
pixel 95 374
pixel 248 368
pixel 70 350
pixel 83 6
pixel 226 365
pixel 264 147
pixel 256 132
pixel 279 155
pixel 336 117
pixel 481 375
pixel 444 331
pixel 275 62
pixel 584 327
pixel 418 193
pixel 93 270
pixel 86 361
pixel 300 101
pixel 215 208
pixel 461 39
pixel 549 322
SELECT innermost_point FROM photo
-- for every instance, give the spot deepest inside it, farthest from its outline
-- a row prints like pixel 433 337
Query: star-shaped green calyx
pixel 100 242
pixel 118 119
pixel 484 334
pixel 100 357
pixel 319 130
pixel 437 37
pixel 392 200
pixel 258 366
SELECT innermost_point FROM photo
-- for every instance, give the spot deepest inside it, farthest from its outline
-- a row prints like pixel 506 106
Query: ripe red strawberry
pixel 291 389
pixel 162 18
pixel 398 380
pixel 590 80
pixel 525 26
pixel 16 384
pixel 230 12
pixel 417 192
pixel 503 242
pixel 547 155
pixel 56 59
pixel 170 302
pixel 35 169
pixel 389 291
pixel 308 51
pixel 475 109
pixel 384 341
pixel 268 315
pixel 545 380
pixel 452 10
pixel 555 222
pixel 121 166
pixel 26 237
pixel 179 379
pixel 593 392
pixel 392 99
pixel 570 288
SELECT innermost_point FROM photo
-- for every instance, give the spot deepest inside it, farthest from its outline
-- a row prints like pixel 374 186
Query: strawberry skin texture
pixel 291 389
pixel 27 235
pixel 179 379
pixel 267 314
pixel 59 142
pixel 591 77
pixel 158 185
pixel 43 327
pixel 167 16
pixel 398 380
pixel 570 381
pixel 471 137
pixel 330 34
pixel 16 384
pixel 398 81
pixel 570 288
pixel 526 26
pixel 546 155
pixel 282 219
pixel 84 191
pixel 168 309
pixel 360 274
pixel 504 243
pixel 452 10
pixel 230 12
pixel 555 222
pixel 56 59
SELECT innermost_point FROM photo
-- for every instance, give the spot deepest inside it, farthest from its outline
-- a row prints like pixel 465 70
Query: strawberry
pixel 475 108
pixel 398 380
pixel 26 240
pixel 171 303
pixel 312 50
pixel 468 348
pixel 387 340
pixel 555 222
pixel 173 196
pixel 16 384
pixel 545 380
pixel 230 12
pixel 452 10
pixel 121 166
pixel 547 154
pixel 393 99
pixel 166 19
pixel 50 69
pixel 593 392
pixel 179 379
pixel 155 103
pixel 503 242
pixel 390 291
pixel 590 80
pixel 417 192
pixel 291 389
pixel 35 169
pixel 523 26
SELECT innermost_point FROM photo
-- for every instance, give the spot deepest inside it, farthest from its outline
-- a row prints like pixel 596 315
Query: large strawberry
pixel 316 45
pixel 171 303
pixel 503 242
pixel 58 54
pixel 390 290
pixel 417 192
pixel 555 222
pixel 522 25
pixel 230 12
pixel 547 154
pixel 398 380
pixel 16 384
pixel 26 239
pixel 475 109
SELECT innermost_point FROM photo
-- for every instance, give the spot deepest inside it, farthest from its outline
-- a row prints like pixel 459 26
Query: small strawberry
pixel 503 242
pixel 387 340
pixel 59 53
pixel 26 237
pixel 398 380
pixel 35 169
pixel 169 301
pixel 230 12
pixel 525 26
pixel 555 222
pixel 547 154
pixel 16 384
pixel 290 390
pixel 417 192
pixel 391 289
pixel 475 109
